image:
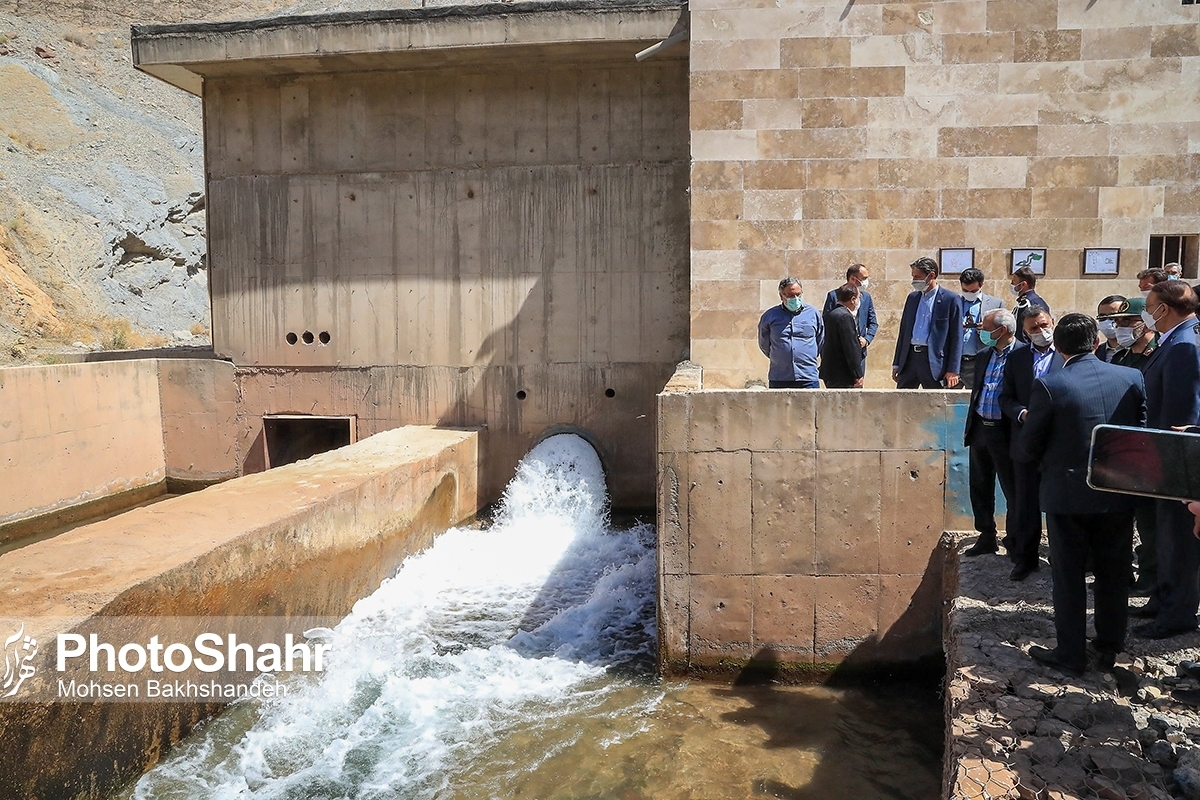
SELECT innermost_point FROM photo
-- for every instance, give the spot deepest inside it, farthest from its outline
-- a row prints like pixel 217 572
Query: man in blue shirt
pixel 976 305
pixel 868 324
pixel 790 335
pixel 929 348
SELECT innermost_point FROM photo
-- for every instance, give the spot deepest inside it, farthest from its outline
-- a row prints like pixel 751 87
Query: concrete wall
pixel 826 132
pixel 802 527
pixel 72 434
pixel 460 235
pixel 81 439
pixel 305 540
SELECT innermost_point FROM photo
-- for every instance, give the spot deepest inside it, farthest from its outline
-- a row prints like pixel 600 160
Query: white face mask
pixel 1108 329
pixel 866 282
pixel 1042 338
pixel 1145 293
pixel 920 286
pixel 1016 289
pixel 1127 336
pixel 1150 321
pixel 972 296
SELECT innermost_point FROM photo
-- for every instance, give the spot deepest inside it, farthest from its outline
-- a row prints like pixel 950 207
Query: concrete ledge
pixel 308 539
pixel 183 55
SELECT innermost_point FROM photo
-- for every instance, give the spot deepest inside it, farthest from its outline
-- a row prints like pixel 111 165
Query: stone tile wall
pixel 804 527
pixel 825 133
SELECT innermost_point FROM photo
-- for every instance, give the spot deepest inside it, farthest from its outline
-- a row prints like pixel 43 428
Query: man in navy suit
pixel 868 325
pixel 1173 400
pixel 987 430
pixel 1028 301
pixel 1065 407
pixel 929 348
pixel 1023 539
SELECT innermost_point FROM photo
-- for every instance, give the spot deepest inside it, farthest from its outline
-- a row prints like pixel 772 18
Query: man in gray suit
pixel 1066 406
pixel 976 305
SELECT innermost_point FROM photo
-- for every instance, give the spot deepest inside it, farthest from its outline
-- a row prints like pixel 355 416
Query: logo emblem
pixel 19 652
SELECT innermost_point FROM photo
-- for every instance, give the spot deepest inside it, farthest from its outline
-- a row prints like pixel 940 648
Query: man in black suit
pixel 841 354
pixel 987 431
pixel 1173 400
pixel 1028 301
pixel 929 348
pixel 1023 539
pixel 868 323
pixel 1065 407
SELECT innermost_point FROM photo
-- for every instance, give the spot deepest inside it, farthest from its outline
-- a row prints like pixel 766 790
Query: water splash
pixel 493 646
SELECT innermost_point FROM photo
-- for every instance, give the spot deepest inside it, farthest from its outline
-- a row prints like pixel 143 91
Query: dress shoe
pixel 1141 588
pixel 1154 630
pixel 1190 697
pixel 1022 571
pixel 1143 612
pixel 1188 669
pixel 981 547
pixel 1050 658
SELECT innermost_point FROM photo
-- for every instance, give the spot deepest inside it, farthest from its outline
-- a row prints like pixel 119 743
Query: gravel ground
pixel 1018 729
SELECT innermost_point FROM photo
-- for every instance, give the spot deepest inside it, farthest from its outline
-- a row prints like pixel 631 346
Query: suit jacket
pixel 868 324
pixel 1018 389
pixel 841 357
pixel 981 366
pixel 1065 407
pixel 945 332
pixel 1173 379
pixel 971 343
pixel 1023 308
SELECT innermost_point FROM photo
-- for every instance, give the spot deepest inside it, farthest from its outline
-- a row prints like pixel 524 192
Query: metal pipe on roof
pixel 654 49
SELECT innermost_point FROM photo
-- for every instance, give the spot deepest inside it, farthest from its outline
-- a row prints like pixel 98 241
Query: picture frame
pixel 1101 261
pixel 956 260
pixel 1032 257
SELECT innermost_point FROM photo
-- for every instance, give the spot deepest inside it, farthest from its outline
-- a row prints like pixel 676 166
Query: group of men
pixel 1038 389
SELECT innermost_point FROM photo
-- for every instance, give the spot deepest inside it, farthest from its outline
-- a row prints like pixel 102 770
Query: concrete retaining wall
pixel 308 539
pixel 76 433
pixel 802 527
pixel 78 440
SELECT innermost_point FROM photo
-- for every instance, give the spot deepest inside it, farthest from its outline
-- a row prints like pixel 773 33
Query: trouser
pixel 1108 539
pixel 966 372
pixel 1177 594
pixel 794 384
pixel 1024 538
pixel 989 460
pixel 916 373
pixel 1147 556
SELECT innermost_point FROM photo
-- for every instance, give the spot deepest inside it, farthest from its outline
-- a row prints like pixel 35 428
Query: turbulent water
pixel 517 662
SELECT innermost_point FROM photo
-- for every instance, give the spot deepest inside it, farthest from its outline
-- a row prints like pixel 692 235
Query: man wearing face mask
pixel 1174 271
pixel 1022 283
pixel 841 354
pixel 987 432
pixel 1108 326
pixel 1026 365
pixel 790 335
pixel 1147 278
pixel 868 324
pixel 1134 344
pixel 976 305
pixel 1173 400
pixel 929 348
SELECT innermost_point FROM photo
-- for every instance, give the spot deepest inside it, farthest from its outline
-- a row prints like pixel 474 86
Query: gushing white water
pixel 486 649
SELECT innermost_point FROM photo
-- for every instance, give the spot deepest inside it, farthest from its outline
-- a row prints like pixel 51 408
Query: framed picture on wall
pixel 955 260
pixel 1101 260
pixel 1032 257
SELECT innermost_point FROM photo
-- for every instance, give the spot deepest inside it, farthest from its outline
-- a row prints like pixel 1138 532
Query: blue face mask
pixel 793 304
pixel 987 338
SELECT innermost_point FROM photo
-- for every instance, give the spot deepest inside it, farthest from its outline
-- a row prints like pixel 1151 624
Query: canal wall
pixel 802 528
pixel 90 438
pixel 304 540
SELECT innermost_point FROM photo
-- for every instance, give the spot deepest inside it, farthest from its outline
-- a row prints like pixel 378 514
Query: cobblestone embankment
pixel 1017 729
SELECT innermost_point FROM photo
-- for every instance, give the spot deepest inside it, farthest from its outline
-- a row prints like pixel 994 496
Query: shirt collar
pixel 1162 337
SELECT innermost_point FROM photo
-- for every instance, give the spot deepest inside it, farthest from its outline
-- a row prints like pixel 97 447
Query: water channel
pixel 517 661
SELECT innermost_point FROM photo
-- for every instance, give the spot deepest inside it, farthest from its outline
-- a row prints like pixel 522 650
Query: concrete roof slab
pixel 599 30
